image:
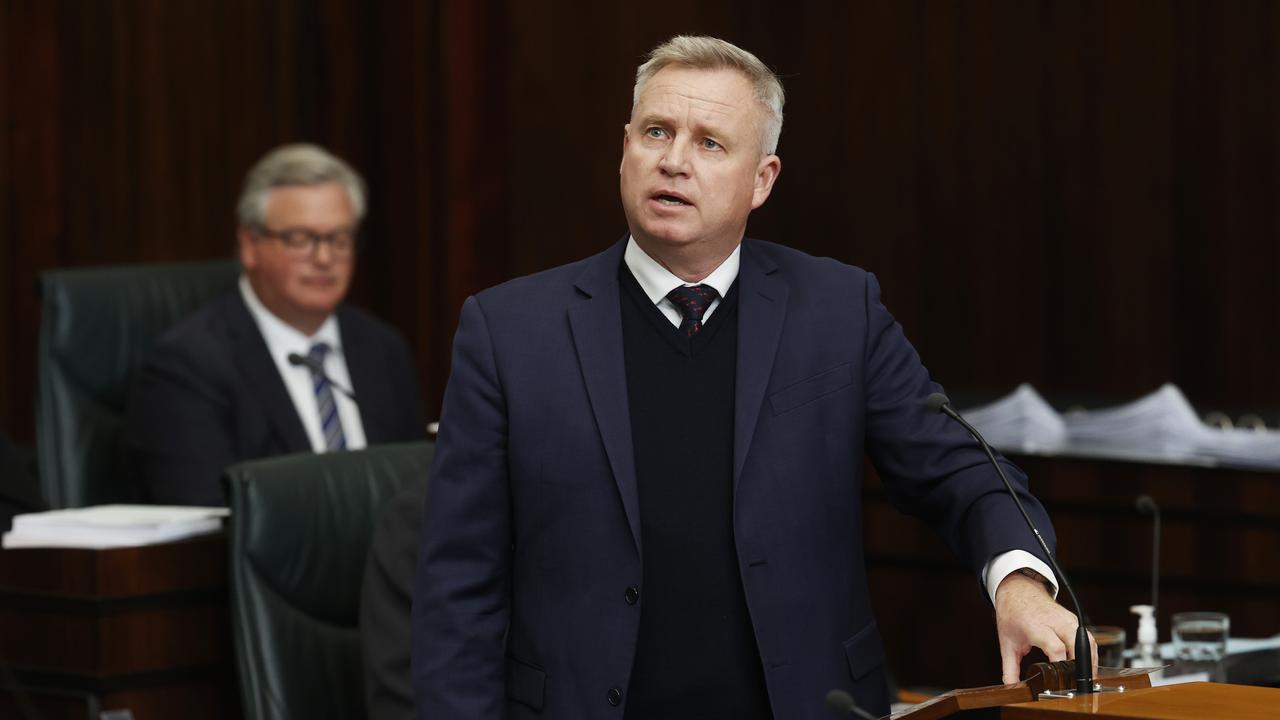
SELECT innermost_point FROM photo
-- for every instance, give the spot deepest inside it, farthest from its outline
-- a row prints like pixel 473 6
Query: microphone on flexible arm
pixel 1084 664
pixel 317 367
pixel 1147 506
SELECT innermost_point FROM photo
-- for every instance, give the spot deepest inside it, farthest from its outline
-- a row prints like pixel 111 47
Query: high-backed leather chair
pixel 96 326
pixel 300 534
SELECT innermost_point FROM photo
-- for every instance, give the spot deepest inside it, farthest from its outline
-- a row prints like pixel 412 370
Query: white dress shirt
pixel 283 339
pixel 657 281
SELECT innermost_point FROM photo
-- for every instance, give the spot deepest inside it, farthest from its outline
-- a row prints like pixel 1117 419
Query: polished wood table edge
pixel 1189 701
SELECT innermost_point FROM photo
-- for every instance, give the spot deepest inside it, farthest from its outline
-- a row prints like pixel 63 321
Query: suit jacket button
pixel 615 697
pixel 632 595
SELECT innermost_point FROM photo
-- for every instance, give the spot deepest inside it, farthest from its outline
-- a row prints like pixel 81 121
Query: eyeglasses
pixel 300 242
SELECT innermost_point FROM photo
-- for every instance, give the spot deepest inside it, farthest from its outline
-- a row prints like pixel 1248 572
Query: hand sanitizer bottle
pixel 1148 655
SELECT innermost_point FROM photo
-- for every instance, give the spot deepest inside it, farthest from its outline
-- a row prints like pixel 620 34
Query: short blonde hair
pixel 708 53
pixel 290 166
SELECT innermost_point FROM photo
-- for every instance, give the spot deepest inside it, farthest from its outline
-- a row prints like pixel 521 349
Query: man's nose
pixel 675 161
pixel 322 252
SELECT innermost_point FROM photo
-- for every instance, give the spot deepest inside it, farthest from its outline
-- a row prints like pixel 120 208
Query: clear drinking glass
pixel 1201 636
pixel 1200 643
pixel 1110 641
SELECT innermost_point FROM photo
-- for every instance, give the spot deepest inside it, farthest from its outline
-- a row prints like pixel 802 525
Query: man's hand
pixel 1027 617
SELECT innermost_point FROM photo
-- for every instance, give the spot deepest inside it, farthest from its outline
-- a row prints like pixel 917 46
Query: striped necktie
pixel 330 423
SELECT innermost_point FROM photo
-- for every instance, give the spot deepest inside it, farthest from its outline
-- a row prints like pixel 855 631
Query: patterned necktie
pixel 692 302
pixel 330 423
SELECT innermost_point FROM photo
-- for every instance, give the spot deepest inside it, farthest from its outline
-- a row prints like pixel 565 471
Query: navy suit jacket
pixel 209 395
pixel 531 536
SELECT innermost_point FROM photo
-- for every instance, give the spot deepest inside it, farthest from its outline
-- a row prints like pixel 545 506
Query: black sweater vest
pixel 696 656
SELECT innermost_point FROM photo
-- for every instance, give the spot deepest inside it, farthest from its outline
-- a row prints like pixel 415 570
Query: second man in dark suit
pixel 266 369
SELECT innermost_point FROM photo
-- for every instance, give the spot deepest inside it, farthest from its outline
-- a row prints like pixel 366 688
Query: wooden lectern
pixel 1022 701
pixel 145 629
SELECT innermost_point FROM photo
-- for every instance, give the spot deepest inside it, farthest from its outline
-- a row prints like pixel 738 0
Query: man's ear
pixel 766 174
pixel 626 140
pixel 247 247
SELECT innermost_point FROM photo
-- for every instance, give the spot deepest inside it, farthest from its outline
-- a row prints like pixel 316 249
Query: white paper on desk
pixel 1161 426
pixel 1248 448
pixel 1021 421
pixel 108 526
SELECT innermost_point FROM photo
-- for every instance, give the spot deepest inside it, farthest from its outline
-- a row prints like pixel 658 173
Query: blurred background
pixel 1080 195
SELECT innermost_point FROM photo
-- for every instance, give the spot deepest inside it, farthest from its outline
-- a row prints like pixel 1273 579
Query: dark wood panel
pixel 1221 538
pixel 146 628
pixel 113 644
pixel 1077 194
pixel 73 575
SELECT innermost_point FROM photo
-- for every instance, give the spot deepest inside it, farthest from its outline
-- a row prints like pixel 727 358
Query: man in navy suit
pixel 265 369
pixel 646 495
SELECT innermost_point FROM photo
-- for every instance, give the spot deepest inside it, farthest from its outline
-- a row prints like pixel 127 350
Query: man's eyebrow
pixel 653 118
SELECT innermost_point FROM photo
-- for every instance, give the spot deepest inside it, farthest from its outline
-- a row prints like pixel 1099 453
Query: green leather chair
pixel 96 327
pixel 300 534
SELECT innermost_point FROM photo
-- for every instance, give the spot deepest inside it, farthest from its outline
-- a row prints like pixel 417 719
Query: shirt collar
pixel 657 281
pixel 282 337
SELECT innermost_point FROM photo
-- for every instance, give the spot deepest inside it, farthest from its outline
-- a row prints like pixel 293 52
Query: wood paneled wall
pixel 1080 194
pixel 1220 540
pixel 1084 195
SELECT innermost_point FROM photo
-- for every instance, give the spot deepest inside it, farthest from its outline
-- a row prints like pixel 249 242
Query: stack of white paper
pixel 110 526
pixel 1161 426
pixel 1251 448
pixel 1020 422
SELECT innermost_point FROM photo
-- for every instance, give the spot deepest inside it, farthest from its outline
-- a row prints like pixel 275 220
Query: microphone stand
pixel 1084 657
pixel 1146 504
pixel 311 364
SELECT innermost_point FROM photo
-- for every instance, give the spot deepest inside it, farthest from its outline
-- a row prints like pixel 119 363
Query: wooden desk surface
pixel 1192 701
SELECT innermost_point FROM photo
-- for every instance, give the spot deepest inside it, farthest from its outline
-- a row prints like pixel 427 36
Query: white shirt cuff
pixel 1004 564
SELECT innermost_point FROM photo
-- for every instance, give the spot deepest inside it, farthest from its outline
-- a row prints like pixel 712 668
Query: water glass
pixel 1201 636
pixel 1110 640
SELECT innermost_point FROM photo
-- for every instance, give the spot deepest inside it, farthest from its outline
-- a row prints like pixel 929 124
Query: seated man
pixel 280 364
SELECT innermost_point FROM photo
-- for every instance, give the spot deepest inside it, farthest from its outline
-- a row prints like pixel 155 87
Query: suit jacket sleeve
pixel 930 465
pixel 461 601
pixel 179 428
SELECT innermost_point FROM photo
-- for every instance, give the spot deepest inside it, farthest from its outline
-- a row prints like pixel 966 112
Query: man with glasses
pixel 280 364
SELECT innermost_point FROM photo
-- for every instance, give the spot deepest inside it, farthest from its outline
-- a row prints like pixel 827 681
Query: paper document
pixel 1164 427
pixel 1021 421
pixel 110 526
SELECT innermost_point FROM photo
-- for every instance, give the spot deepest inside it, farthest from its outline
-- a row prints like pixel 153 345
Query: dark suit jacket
pixel 210 395
pixel 531 537
pixel 386 596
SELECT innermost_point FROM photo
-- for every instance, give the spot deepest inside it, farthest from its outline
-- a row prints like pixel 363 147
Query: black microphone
pixel 1147 506
pixel 1084 657
pixel 842 702
pixel 316 367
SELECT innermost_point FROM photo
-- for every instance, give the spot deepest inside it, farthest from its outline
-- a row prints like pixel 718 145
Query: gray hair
pixel 293 165
pixel 708 53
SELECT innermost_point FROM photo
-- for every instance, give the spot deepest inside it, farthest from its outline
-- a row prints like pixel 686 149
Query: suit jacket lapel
pixel 264 379
pixel 762 307
pixel 596 323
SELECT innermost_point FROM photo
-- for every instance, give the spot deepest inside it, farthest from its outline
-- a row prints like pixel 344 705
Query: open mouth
pixel 672 199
